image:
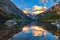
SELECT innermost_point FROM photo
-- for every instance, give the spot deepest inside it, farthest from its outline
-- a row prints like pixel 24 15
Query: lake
pixel 37 30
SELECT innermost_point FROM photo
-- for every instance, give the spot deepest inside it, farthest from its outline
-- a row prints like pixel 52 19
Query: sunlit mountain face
pixel 33 6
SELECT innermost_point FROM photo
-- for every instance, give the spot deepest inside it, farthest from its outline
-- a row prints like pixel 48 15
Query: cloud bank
pixel 35 9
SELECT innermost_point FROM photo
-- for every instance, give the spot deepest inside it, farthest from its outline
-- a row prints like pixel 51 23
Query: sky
pixel 28 5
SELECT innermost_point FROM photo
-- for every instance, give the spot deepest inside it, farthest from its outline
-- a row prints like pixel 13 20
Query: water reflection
pixel 10 27
pixel 57 23
pixel 34 32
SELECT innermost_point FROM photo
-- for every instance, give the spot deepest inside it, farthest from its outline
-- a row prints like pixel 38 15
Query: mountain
pixel 52 13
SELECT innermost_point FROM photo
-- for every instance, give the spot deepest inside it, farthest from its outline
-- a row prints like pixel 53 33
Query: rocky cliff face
pixel 9 8
pixel 8 11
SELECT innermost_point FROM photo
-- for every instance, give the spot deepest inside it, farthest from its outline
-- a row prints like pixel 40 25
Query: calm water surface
pixel 37 30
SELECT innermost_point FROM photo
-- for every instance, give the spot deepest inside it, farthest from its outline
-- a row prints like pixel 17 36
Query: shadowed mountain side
pixel 9 12
pixel 8 31
pixel 49 27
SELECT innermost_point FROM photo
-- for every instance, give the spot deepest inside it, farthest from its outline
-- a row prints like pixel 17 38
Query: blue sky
pixel 22 4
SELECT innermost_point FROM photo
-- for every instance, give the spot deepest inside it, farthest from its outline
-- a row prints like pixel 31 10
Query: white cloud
pixel 44 7
pixel 38 9
pixel 26 10
pixel 35 7
pixel 37 12
pixel 43 1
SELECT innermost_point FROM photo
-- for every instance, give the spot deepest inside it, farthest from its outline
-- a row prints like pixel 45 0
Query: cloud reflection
pixel 33 33
pixel 36 30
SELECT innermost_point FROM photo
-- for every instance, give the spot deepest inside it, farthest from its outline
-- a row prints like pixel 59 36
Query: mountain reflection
pixel 33 32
